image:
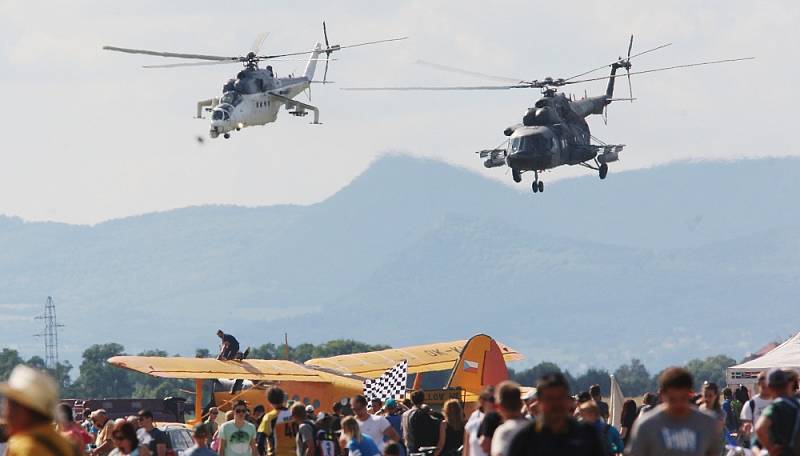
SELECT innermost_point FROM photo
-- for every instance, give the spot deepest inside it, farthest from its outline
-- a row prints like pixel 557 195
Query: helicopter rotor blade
pixel 333 48
pixel 689 65
pixel 178 55
pixel 439 88
pixel 325 33
pixel 631 57
pixel 466 72
pixel 193 64
pixel 630 46
pixel 328 54
pixel 630 87
pixel 259 41
pixel 190 64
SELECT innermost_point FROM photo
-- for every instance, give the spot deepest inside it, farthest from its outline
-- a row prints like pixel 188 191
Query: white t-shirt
pixel 374 426
pixel 760 405
pixel 501 440
pixel 471 428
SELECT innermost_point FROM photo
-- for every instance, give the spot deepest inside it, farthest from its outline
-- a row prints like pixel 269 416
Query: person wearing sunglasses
pixel 125 441
pixel 238 436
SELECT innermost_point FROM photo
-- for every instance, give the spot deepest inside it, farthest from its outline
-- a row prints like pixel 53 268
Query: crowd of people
pixel 508 421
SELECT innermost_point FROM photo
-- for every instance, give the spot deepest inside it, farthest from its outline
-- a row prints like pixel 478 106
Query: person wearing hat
pixel 531 405
pixel 29 401
pixel 776 426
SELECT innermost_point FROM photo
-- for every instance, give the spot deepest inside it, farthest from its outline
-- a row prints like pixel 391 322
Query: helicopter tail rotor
pixel 327 53
pixel 628 69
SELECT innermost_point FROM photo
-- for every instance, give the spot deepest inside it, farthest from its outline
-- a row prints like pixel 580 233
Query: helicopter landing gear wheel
pixel 603 170
pixel 537 186
pixel 226 135
pixel 516 175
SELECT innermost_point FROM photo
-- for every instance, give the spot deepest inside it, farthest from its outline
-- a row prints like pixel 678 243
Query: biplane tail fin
pixel 480 364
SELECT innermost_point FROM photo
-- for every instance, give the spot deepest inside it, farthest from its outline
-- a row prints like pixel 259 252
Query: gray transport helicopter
pixel 256 95
pixel 554 131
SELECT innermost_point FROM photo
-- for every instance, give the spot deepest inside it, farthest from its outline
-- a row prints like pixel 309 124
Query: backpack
pixel 423 430
pixel 327 443
pixel 731 417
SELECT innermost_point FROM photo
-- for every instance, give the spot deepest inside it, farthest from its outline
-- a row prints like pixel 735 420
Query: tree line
pixel 98 379
pixel 634 378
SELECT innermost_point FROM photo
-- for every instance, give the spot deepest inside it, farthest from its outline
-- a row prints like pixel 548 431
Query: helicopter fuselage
pixel 254 98
pixel 553 133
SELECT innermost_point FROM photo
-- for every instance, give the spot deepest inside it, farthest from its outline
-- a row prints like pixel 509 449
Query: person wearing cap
pixel 394 414
pixel 776 426
pixel 29 402
pixel 310 412
pixel 105 427
pixel 200 447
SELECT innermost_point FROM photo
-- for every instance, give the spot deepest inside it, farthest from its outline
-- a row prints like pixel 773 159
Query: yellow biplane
pixel 474 364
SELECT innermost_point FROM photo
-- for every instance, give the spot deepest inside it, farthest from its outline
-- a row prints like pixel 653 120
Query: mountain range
pixel 662 264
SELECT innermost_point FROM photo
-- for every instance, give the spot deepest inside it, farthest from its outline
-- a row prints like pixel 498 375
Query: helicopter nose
pixel 221 125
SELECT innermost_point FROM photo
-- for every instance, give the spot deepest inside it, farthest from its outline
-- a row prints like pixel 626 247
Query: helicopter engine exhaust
pixel 608 157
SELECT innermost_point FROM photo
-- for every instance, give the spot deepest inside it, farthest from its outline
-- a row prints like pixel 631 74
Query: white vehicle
pixel 255 95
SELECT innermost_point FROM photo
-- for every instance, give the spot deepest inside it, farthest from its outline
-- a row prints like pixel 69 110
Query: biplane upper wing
pixel 421 358
pixel 206 368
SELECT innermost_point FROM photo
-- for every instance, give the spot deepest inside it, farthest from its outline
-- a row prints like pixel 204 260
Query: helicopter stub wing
pixel 290 103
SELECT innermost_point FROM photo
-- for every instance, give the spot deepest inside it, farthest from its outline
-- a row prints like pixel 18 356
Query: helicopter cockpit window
pixel 220 114
pixel 516 144
pixel 232 98
pixel 542 103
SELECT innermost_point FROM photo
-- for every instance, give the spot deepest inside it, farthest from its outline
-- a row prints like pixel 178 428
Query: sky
pixel 89 135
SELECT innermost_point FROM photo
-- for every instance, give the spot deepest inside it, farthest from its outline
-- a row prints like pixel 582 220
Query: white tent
pixel 617 399
pixel 785 356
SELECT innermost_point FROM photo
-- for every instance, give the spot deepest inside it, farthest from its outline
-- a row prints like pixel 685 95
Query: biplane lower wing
pixel 206 368
pixel 421 358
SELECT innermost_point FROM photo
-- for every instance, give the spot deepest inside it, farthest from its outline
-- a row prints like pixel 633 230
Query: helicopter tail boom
pixel 311 66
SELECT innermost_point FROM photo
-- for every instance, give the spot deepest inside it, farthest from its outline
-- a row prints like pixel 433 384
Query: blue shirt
pixel 199 451
pixel 366 447
pixel 611 434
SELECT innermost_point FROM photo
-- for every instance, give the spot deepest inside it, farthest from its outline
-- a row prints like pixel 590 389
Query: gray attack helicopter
pixel 256 95
pixel 554 131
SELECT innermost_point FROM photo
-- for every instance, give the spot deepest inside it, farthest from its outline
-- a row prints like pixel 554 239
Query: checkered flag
pixel 392 384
